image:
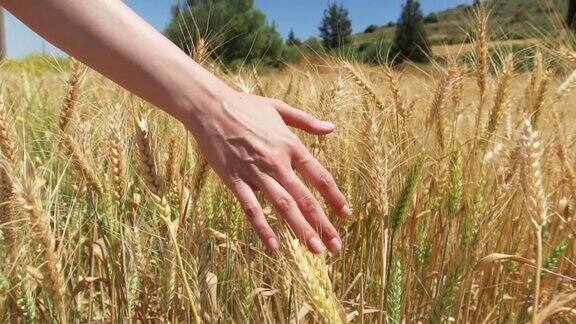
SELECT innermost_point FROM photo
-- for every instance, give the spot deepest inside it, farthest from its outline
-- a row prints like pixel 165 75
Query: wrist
pixel 200 99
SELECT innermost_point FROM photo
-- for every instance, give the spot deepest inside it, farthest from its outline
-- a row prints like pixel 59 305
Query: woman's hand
pixel 244 137
pixel 246 141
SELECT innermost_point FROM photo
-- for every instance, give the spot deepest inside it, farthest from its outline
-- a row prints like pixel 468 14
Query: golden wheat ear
pixel 117 165
pixel 566 86
pixel 7 145
pixel 67 111
pixel 146 158
pixel 51 269
pixel 502 92
pixel 315 281
pixel 81 164
pixel 533 181
pixel 364 85
pixel 482 62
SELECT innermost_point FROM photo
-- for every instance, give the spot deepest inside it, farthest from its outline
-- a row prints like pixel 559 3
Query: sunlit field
pixel 461 175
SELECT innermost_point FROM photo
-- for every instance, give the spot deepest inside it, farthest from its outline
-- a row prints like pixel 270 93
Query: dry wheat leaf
pixel 494 257
pixel 264 292
pixel 86 282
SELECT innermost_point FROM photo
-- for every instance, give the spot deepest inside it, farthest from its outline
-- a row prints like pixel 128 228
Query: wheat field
pixel 461 175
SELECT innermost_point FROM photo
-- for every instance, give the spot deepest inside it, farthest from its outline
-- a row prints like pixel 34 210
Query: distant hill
pixel 510 19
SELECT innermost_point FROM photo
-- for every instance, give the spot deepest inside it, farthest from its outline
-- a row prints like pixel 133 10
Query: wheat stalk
pixel 393 85
pixel 7 184
pixel 536 198
pixel 170 168
pixel 566 86
pixel 364 86
pixel 333 98
pixel 140 261
pixel 172 227
pixel 481 48
pixel 7 212
pixel 81 165
pixel 169 257
pixel 200 53
pixel 455 179
pixel 147 162
pixel 7 219
pixel 197 183
pixel 540 98
pixel 405 197
pixel 500 97
pixel 9 234
pixel 258 83
pixel 374 163
pixel 456 73
pixel 482 60
pixel 118 167
pixel 67 111
pixel 437 109
pixel 6 135
pixel 53 280
pixel 568 55
pixel 329 103
pixel 314 280
pixel 532 174
pixel 536 89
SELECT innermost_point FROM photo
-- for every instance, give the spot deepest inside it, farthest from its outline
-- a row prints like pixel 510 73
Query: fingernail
pixel 327 125
pixel 273 244
pixel 335 245
pixel 316 245
pixel 346 211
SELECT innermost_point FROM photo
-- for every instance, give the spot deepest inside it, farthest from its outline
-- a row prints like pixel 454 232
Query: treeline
pixel 239 34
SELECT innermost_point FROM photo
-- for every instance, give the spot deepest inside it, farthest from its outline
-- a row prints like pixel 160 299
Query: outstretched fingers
pixel 323 181
pixel 311 210
pixel 255 214
pixel 287 207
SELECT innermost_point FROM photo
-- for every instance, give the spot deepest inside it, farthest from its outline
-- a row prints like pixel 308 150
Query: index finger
pixel 323 181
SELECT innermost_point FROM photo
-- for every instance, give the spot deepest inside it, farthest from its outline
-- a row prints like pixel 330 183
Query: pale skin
pixel 244 137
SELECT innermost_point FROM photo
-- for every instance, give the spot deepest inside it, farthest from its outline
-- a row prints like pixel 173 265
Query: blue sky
pixel 301 15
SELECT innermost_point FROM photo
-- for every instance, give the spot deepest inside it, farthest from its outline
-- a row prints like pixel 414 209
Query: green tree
pixel 571 20
pixel 336 27
pixel 292 40
pixel 431 18
pixel 370 29
pixel 374 53
pixel 236 30
pixel 313 44
pixel 410 41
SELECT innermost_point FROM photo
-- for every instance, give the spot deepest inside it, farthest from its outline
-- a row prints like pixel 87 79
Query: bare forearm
pixel 113 40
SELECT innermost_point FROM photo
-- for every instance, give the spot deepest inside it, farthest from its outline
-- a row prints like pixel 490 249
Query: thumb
pixel 297 118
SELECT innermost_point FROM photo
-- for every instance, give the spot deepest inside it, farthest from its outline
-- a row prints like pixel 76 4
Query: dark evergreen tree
pixel 476 3
pixel 410 41
pixel 432 18
pixel 336 27
pixel 237 32
pixel 370 29
pixel 292 40
pixel 571 20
